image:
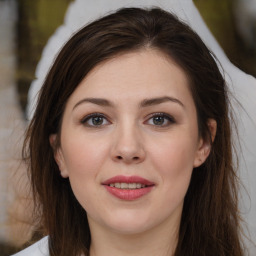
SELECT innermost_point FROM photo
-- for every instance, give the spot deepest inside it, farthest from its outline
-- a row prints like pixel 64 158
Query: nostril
pixel 135 158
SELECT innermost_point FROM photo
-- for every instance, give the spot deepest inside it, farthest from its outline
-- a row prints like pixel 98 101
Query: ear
pixel 58 155
pixel 204 146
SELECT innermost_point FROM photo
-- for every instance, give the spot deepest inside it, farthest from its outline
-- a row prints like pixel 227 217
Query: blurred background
pixel 25 27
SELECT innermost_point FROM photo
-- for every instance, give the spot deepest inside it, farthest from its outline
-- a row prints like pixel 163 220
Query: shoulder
pixel 40 248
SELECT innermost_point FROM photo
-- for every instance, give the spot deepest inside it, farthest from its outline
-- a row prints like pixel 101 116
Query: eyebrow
pixel 159 100
pixel 144 103
pixel 97 101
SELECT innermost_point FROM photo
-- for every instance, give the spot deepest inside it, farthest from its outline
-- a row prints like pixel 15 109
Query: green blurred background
pixel 37 21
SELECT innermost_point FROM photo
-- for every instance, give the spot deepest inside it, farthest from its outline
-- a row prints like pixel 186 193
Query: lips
pixel 128 187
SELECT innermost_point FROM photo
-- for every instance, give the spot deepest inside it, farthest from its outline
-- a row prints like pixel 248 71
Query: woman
pixel 130 149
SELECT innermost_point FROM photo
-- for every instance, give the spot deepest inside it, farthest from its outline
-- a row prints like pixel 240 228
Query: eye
pixel 95 120
pixel 160 119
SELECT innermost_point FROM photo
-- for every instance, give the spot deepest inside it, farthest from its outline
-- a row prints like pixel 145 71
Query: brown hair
pixel 210 220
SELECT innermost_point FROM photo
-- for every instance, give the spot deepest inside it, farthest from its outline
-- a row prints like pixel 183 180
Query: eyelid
pixel 169 117
pixel 85 119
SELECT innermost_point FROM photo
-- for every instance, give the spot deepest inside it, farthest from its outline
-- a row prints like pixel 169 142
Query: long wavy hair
pixel 210 219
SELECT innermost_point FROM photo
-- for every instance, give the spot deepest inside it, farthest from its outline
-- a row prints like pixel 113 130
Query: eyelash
pixel 87 118
pixel 167 117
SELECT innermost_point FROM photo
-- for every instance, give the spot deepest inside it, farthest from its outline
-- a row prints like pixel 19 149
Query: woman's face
pixel 129 142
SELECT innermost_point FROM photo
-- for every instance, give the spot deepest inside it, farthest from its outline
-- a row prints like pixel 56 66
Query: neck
pixel 160 241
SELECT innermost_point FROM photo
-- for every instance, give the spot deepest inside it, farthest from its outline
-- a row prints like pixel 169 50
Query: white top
pixel 40 248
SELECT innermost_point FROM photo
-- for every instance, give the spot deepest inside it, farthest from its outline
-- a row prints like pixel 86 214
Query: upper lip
pixel 128 179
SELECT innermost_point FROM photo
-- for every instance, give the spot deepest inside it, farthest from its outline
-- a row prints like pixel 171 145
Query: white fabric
pixel 40 248
pixel 242 86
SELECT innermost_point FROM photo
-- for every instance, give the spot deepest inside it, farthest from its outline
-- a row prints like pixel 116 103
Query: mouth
pixel 128 187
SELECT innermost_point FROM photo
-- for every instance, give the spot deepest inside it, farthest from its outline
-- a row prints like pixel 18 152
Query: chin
pixel 130 229
pixel 129 224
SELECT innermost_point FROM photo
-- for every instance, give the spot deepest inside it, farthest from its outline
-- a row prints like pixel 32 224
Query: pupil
pixel 158 120
pixel 97 120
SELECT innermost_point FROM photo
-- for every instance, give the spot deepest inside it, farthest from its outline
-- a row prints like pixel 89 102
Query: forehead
pixel 134 75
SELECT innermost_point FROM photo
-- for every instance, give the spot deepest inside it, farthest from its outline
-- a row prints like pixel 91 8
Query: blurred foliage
pixel 219 17
pixel 37 21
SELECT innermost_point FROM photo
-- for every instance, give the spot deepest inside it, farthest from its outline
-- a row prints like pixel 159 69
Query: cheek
pixel 174 160
pixel 83 162
pixel 83 156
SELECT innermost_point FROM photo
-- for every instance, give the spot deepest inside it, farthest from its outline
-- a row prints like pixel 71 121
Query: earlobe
pixel 204 147
pixel 58 156
pixel 202 153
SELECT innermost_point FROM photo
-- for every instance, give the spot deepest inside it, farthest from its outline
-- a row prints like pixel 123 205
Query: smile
pixel 128 187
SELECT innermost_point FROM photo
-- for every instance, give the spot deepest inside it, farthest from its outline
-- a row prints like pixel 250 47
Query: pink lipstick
pixel 128 187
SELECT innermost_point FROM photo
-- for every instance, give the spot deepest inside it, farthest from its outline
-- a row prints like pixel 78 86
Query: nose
pixel 128 146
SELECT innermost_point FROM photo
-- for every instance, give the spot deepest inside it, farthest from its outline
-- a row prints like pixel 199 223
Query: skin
pixel 129 141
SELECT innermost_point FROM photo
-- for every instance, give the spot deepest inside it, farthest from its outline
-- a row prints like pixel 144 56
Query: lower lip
pixel 128 194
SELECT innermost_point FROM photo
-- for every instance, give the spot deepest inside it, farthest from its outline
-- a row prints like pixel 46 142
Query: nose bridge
pixel 128 144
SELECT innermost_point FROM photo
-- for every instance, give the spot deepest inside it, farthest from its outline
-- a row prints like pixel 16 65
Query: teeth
pixel 117 185
pixel 132 185
pixel 124 185
pixel 127 185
